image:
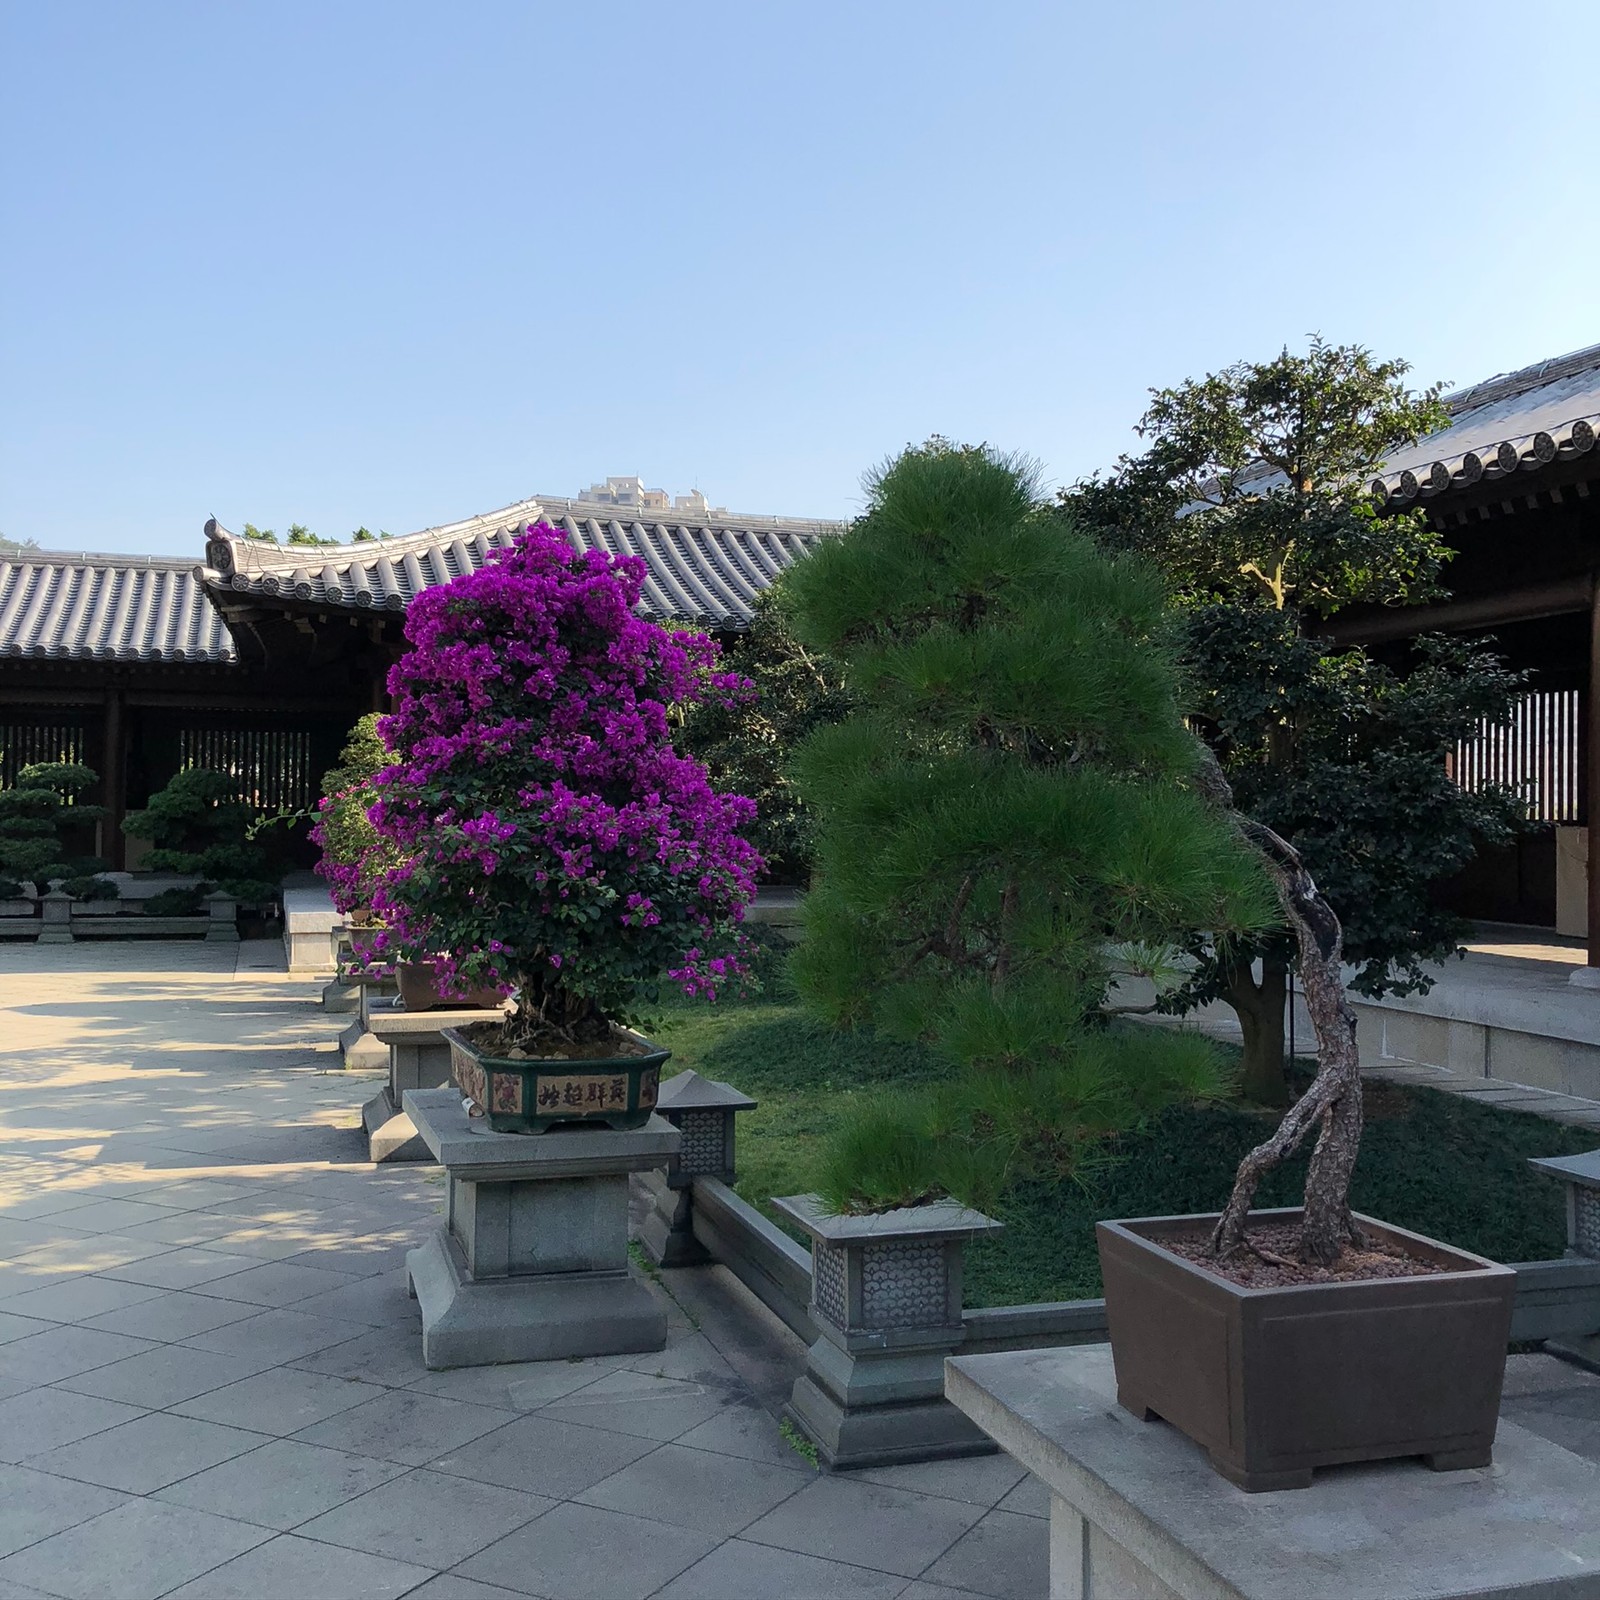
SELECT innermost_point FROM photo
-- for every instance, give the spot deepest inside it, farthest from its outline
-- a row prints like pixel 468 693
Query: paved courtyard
pixel 210 1373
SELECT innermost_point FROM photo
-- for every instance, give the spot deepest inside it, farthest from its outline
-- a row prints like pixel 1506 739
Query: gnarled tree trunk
pixel 1332 1105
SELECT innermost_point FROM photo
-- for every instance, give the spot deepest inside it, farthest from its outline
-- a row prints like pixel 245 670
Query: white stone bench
pixel 310 927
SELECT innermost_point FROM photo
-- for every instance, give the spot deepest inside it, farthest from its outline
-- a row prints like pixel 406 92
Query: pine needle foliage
pixel 1007 803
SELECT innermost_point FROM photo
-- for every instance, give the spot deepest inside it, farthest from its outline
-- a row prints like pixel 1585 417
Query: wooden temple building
pixel 1514 486
pixel 258 661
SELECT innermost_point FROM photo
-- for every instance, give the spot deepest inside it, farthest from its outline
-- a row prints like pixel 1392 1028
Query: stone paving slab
pixel 211 1381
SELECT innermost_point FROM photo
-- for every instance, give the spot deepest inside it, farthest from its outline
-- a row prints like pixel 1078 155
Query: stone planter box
pixel 886 1295
pixel 1274 1383
pixel 531 1096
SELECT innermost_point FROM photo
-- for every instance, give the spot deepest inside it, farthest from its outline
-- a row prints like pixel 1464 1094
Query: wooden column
pixel 114 779
pixel 1592 774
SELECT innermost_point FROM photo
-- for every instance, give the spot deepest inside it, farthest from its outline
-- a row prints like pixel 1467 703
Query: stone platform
pixel 1138 1514
pixel 531 1263
pixel 358 1045
pixel 419 1058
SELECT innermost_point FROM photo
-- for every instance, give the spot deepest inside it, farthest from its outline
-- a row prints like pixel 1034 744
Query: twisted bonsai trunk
pixel 1332 1105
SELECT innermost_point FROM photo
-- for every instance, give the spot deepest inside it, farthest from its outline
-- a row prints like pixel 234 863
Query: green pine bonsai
pixel 1007 816
pixel 34 812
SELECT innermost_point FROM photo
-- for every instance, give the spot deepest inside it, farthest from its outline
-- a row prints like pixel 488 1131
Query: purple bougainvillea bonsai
pixel 547 837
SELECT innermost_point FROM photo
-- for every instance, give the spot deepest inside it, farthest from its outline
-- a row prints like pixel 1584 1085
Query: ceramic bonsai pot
pixel 420 991
pixel 1275 1382
pixel 529 1096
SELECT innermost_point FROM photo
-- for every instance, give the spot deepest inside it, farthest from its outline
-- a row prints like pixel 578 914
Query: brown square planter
pixel 1275 1382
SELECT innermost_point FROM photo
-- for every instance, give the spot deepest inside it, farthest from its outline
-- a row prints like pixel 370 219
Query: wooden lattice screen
pixel 272 766
pixel 25 744
pixel 1536 753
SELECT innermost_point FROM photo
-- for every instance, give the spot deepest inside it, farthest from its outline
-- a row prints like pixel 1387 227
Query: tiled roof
pixel 107 608
pixel 1517 422
pixel 708 573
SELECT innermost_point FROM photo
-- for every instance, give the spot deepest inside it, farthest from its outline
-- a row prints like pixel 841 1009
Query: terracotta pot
pixel 1275 1382
pixel 529 1096
pixel 419 991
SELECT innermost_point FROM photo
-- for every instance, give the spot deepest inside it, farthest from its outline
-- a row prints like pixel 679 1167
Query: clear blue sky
pixel 394 264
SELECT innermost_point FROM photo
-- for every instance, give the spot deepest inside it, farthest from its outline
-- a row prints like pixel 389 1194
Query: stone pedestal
pixel 419 1058
pixel 55 917
pixel 223 912
pixel 886 1293
pixel 703 1111
pixel 361 1050
pixel 340 995
pixel 1138 1514
pixel 1581 1177
pixel 311 928
pixel 532 1263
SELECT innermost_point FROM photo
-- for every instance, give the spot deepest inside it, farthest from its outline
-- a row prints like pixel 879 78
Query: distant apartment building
pixel 631 494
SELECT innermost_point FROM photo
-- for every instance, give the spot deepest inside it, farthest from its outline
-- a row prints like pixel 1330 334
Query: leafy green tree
pixel 355 856
pixel 746 742
pixel 35 812
pixel 1253 496
pixel 362 535
pixel 1007 808
pixel 17 547
pixel 198 824
pixel 259 535
pixel 299 533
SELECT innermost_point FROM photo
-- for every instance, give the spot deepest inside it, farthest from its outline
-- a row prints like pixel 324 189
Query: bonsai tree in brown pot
pixel 1012 806
pixel 548 839
pixel 1283 1341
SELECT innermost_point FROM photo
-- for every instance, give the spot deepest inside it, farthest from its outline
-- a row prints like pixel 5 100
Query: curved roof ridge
pixel 95 558
pixel 692 561
pixel 1506 384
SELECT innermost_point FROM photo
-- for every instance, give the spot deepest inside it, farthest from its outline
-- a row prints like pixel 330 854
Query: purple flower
pixel 540 819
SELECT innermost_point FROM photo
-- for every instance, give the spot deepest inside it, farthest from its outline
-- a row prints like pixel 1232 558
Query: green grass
pixel 1441 1164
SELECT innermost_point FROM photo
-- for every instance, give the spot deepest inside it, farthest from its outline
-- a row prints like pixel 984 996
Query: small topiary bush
pixel 198 824
pixel 34 813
